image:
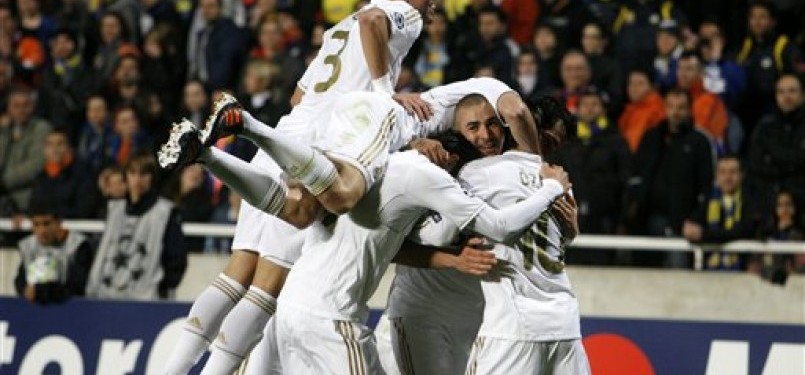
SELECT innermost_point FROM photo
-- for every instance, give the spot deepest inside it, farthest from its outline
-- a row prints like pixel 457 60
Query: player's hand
pixel 414 105
pixel 567 211
pixel 475 259
pixel 433 150
pixel 557 173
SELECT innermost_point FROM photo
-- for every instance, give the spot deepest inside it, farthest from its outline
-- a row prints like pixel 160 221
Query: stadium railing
pixel 589 241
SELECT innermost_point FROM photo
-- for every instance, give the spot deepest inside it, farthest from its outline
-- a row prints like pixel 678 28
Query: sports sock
pixel 241 330
pixel 299 160
pixel 203 322
pixel 256 187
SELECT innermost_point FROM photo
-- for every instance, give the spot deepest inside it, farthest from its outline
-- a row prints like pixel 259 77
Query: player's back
pixel 340 65
pixel 341 265
pixel 529 295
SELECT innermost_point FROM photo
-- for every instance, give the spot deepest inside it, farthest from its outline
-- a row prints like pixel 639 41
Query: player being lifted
pixel 362 52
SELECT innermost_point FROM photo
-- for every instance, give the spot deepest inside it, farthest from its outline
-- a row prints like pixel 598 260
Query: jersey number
pixel 534 242
pixel 335 61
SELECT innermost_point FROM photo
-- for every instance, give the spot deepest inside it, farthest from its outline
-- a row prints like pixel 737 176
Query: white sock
pixel 255 186
pixel 299 160
pixel 203 322
pixel 241 330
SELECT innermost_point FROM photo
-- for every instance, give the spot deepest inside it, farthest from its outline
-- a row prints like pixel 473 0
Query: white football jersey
pixel 342 265
pixel 528 295
pixel 340 65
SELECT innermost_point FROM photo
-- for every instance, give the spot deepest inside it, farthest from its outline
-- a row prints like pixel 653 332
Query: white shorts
pixel 428 346
pixel 359 132
pixel 309 344
pixel 264 358
pixel 384 346
pixel 269 236
pixel 499 356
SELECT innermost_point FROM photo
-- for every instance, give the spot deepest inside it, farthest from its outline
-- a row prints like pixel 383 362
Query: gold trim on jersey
pixel 478 346
pixel 227 289
pixel 407 365
pixel 381 142
pixel 354 351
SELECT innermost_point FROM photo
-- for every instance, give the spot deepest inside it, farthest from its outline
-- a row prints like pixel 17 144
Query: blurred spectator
pixel 114 43
pixel 191 193
pixel 709 112
pixel 128 138
pixel 259 11
pixel 142 253
pixel 271 48
pixel 65 184
pixel 777 149
pixel 215 52
pixel 669 49
pixel 22 138
pixel 527 80
pixel 94 149
pixel 549 54
pixel 226 213
pixel 463 34
pixel 576 77
pixel 125 88
pixel 112 183
pixel 6 78
pixel 74 15
pixel 784 224
pixel 493 48
pixel 566 18
pixel 33 22
pixel 522 16
pixel 635 29
pixel 292 36
pixel 644 110
pixel 66 83
pixel 433 58
pixel 766 55
pixel 261 96
pixel 195 103
pixel 722 76
pixel 408 81
pixel 729 214
pixel 606 70
pixel 162 63
pixel 599 164
pixel 673 176
pixel 54 262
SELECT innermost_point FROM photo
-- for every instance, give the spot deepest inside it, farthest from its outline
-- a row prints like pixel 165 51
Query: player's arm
pixel 375 31
pixel 500 225
pixel 515 113
pixel 473 258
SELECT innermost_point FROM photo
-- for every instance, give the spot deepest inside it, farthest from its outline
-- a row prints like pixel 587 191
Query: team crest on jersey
pixel 399 20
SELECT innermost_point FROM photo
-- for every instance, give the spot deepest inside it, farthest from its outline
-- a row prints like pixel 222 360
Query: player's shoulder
pixel 496 164
pixel 401 14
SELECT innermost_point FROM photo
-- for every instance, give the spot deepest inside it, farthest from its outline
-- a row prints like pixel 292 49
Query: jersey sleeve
pixel 434 230
pixel 506 223
pixel 431 187
pixel 405 25
pixel 443 99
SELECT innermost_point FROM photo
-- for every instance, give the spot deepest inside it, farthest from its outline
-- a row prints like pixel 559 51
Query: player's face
pixel 481 127
pixel 45 228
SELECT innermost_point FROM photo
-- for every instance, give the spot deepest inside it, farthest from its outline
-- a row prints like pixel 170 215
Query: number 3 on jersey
pixel 335 61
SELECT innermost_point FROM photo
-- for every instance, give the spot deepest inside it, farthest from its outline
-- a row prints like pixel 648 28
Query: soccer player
pixel 362 52
pixel 321 314
pixel 530 317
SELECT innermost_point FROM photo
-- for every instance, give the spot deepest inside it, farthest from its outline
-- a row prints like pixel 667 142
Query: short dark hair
pixel 143 163
pixel 489 8
pixel 644 73
pixel 40 206
pixel 680 92
pixel 767 5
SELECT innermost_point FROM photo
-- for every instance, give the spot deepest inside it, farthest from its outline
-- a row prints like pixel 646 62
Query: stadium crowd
pixel 691 114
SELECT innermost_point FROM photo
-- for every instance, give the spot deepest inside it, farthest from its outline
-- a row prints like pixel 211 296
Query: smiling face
pixel 480 125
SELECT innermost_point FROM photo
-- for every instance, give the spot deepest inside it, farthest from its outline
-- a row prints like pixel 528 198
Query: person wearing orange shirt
pixel 709 112
pixel 644 110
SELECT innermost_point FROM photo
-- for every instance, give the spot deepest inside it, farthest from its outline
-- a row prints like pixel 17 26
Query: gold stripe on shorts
pixel 380 142
pixel 354 356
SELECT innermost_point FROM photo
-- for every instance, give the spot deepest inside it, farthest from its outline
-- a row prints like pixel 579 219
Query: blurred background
pixel 688 159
